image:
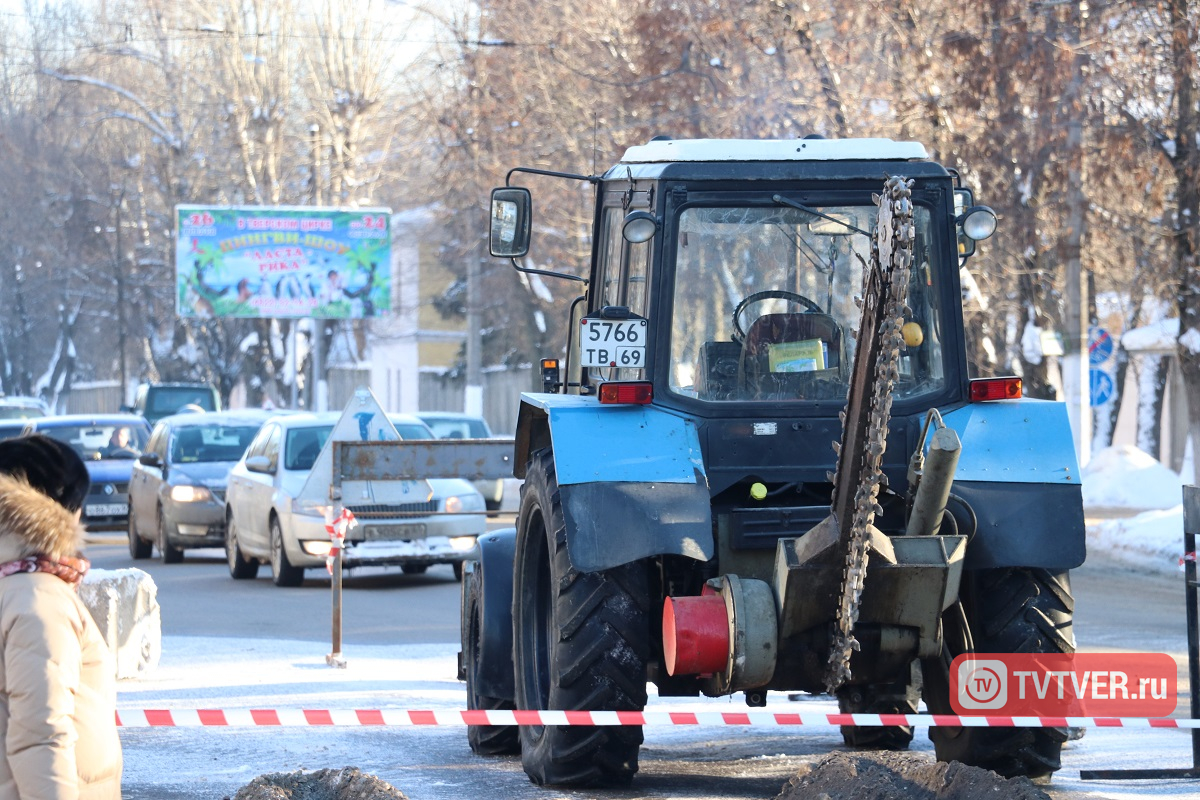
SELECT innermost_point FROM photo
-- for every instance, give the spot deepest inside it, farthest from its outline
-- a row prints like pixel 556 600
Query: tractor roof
pixel 679 150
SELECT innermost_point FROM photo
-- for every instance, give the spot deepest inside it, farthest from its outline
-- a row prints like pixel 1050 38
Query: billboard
pixel 282 261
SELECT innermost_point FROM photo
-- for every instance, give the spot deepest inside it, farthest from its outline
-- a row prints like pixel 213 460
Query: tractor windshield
pixel 764 304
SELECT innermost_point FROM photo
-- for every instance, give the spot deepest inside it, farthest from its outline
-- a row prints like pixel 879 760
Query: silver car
pixel 266 521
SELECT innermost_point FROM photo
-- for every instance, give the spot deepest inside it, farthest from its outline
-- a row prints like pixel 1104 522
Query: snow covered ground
pixel 1135 504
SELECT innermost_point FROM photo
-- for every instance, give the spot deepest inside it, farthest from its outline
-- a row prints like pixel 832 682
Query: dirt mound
pixel 902 776
pixel 324 784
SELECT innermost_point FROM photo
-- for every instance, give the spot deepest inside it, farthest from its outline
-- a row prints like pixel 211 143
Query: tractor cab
pixel 717 290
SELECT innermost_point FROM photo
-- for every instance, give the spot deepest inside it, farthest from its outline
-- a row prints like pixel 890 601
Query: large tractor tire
pixel 1016 610
pixel 581 642
pixel 485 740
pixel 902 697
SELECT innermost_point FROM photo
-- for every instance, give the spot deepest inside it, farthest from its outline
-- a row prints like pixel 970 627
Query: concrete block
pixel 124 603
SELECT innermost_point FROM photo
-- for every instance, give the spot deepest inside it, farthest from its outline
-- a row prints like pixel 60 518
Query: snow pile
pixel 1129 479
pixel 1153 539
pixel 1126 477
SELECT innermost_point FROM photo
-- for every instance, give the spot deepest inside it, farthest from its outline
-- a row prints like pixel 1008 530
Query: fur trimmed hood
pixel 31 522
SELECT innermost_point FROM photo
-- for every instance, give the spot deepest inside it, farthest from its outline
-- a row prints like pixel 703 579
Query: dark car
pixel 157 400
pixel 177 493
pixel 108 444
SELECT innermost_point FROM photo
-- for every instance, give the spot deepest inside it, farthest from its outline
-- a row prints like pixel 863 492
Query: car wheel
pixel 492 505
pixel 414 569
pixel 458 570
pixel 139 548
pixel 169 552
pixel 282 571
pixel 240 567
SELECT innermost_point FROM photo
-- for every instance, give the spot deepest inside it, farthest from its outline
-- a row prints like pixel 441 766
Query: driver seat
pixel 768 369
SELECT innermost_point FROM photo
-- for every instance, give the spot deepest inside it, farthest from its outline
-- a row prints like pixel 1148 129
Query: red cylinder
pixel 695 634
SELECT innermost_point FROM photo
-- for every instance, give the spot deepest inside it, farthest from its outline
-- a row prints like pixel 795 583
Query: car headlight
pixel 456 504
pixel 462 543
pixel 190 494
pixel 310 509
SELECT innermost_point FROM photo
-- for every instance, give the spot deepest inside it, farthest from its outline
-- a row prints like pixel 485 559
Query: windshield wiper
pixel 783 201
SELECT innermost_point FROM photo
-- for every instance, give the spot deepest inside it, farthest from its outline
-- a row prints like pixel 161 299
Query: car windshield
pixel 197 443
pixel 412 431
pixel 790 278
pixel 454 428
pixel 20 412
pixel 101 441
pixel 303 445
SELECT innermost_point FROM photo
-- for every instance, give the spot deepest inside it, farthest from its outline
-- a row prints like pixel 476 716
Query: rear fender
pixel 494 572
pixel 1019 474
pixel 631 478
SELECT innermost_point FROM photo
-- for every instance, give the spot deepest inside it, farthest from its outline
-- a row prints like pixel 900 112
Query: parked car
pixel 157 400
pixel 267 522
pixel 17 407
pixel 177 490
pixel 108 444
pixel 452 425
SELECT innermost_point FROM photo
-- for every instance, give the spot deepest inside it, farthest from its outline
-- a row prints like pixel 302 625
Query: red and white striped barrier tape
pixel 345 717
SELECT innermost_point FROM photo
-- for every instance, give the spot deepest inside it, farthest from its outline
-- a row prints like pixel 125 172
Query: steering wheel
pixel 770 294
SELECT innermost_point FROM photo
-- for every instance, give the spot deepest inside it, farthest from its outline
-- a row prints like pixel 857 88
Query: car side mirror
pixel 511 222
pixel 259 464
pixel 150 460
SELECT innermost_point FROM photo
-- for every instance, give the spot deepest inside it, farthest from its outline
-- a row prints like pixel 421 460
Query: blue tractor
pixel 761 464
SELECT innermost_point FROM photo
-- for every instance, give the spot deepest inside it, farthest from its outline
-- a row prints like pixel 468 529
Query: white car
pixel 265 522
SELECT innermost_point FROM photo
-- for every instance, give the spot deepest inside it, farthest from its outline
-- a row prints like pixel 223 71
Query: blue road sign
pixel 1100 346
pixel 1102 385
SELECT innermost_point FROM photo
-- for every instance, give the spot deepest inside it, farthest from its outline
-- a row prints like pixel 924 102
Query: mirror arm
pixel 533 271
pixel 571 175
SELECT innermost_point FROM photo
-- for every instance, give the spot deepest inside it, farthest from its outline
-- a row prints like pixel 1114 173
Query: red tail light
pixel 983 389
pixel 627 392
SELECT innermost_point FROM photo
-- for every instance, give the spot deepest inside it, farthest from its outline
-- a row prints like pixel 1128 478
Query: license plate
pixel 106 509
pixel 391 533
pixel 613 343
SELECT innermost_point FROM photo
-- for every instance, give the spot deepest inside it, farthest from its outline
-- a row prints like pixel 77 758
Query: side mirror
pixel 150 460
pixel 259 464
pixel 511 221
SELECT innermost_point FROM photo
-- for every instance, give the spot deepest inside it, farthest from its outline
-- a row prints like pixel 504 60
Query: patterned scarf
pixel 71 570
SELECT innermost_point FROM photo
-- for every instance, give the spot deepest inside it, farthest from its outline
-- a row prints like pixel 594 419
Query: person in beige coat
pixel 57 679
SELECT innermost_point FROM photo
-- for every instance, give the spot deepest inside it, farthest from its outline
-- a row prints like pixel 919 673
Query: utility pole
pixel 320 398
pixel 119 269
pixel 1076 380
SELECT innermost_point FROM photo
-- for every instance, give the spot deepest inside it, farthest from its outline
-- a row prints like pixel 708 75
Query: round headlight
pixel 978 222
pixel 639 226
pixel 454 504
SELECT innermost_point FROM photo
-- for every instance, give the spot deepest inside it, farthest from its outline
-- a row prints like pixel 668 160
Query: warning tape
pixel 295 717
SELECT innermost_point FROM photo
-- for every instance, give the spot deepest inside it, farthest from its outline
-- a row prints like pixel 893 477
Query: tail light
pixel 626 392
pixel 984 389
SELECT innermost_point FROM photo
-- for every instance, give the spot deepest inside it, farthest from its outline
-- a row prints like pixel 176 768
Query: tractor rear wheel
pixel 1016 610
pixel 901 697
pixel 485 740
pixel 581 642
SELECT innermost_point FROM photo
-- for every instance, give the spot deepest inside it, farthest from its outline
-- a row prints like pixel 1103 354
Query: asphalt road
pixel 1117 609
